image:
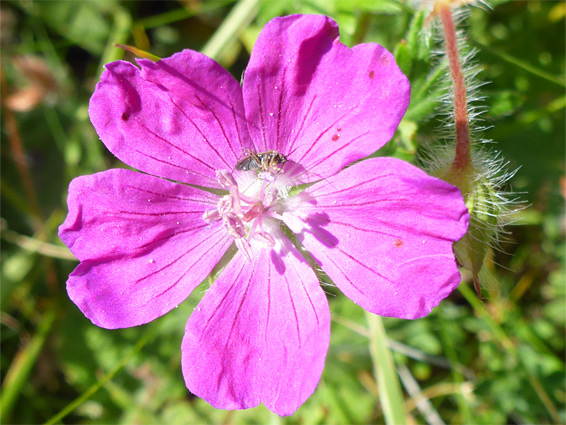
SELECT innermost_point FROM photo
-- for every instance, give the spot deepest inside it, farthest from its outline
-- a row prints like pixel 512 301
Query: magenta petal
pixel 383 231
pixel 142 243
pixel 309 96
pixel 211 99
pixel 181 126
pixel 258 336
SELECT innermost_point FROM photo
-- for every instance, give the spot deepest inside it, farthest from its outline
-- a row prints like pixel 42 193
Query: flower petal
pixel 180 118
pixel 142 242
pixel 260 334
pixel 383 231
pixel 312 98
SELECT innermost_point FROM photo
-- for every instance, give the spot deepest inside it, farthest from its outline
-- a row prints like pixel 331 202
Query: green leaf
pixel 414 47
pixel 504 103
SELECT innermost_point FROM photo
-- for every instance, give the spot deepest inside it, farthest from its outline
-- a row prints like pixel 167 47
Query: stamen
pixel 265 239
pixel 243 245
pixel 225 179
pixel 225 205
pixel 211 215
pixel 242 215
pixel 254 212
pixel 234 226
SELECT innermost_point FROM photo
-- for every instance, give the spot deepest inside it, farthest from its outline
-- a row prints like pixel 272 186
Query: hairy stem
pixel 462 159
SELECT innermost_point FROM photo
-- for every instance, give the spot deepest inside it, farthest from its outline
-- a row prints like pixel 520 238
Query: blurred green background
pixel 499 362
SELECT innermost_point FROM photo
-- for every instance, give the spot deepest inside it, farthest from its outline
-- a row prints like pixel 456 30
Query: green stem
pixel 36 245
pixel 390 393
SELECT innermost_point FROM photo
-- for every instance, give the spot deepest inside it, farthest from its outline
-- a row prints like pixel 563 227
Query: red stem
pixel 462 159
pixel 26 180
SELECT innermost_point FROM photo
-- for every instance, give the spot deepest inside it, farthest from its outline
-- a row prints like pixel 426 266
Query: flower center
pixel 251 210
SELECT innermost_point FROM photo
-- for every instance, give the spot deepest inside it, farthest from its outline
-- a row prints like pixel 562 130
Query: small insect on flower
pixel 264 161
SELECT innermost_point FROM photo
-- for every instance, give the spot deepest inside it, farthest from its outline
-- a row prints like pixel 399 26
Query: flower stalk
pixel 462 160
pixel 478 172
pixel 461 172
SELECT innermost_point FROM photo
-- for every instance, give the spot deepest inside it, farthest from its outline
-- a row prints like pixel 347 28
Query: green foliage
pixel 494 363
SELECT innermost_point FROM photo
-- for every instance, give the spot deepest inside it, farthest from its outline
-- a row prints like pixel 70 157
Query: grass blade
pixel 22 366
pixel 389 388
pixel 238 18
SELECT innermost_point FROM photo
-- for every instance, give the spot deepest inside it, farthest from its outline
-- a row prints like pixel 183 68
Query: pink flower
pixel 381 229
